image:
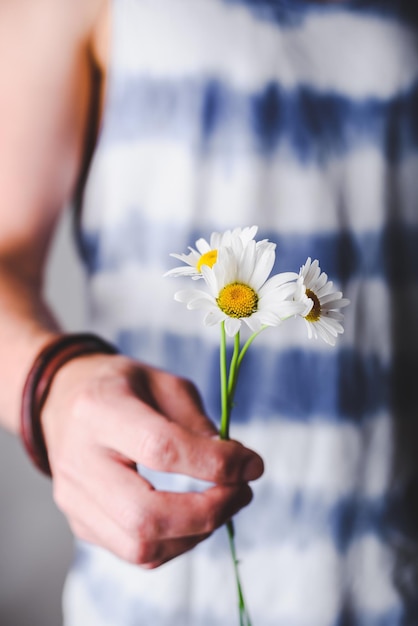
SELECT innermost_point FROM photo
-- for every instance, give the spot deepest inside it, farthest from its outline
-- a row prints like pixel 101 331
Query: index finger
pixel 140 433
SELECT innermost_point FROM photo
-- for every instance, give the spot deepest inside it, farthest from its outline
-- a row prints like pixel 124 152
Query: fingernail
pixel 253 468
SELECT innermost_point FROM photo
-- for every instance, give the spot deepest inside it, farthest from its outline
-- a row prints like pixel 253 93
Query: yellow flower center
pixel 315 313
pixel 237 300
pixel 209 258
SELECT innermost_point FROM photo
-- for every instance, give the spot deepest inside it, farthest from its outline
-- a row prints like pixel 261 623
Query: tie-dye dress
pixel 300 117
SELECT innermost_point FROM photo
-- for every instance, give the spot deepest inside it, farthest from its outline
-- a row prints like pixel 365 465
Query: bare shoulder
pixel 45 92
pixel 67 19
pixel 101 35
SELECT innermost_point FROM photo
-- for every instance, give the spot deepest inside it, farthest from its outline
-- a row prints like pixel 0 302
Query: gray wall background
pixel 35 541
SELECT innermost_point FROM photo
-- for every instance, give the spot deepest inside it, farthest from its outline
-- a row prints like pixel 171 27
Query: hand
pixel 104 414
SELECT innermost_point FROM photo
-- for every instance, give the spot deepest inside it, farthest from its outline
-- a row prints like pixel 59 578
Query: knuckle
pixel 212 521
pixel 159 448
pixel 181 386
pixel 167 451
pixel 102 389
pixel 114 385
pixel 136 552
pixel 220 467
pixel 206 513
pixel 83 403
pixel 152 565
pixel 131 519
pixel 184 384
pixel 188 386
pixel 136 521
pixel 226 462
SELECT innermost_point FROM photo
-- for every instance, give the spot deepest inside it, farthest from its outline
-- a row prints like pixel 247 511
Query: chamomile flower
pixel 239 289
pixel 322 317
pixel 206 253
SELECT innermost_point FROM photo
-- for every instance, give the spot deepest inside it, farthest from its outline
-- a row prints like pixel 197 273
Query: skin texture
pixel 104 414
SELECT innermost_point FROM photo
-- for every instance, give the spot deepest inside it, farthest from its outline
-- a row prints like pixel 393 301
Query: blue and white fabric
pixel 300 117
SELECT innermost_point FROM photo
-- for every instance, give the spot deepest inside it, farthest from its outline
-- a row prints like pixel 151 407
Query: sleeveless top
pixel 300 117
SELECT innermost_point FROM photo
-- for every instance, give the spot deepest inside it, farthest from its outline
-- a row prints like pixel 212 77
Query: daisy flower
pixel 206 253
pixel 240 292
pixel 322 317
pixel 237 290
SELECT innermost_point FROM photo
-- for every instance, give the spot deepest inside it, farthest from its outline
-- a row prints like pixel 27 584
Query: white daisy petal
pixel 288 309
pixel 254 322
pixel 248 262
pixel 181 271
pixel 330 298
pixel 226 268
pixel 321 282
pixel 192 297
pixel 284 292
pixel 335 304
pixel 325 290
pixel 184 295
pixel 248 233
pixel 331 326
pixel 280 279
pixel 264 264
pixel 191 258
pixel 313 273
pixel 209 275
pixel 232 326
pixel 334 315
pixel 215 240
pixel 325 335
pixel 213 317
pixel 203 246
pixel 268 317
pixel 201 303
pixel 311 330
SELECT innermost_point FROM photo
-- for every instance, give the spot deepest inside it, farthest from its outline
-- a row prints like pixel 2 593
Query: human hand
pixel 104 414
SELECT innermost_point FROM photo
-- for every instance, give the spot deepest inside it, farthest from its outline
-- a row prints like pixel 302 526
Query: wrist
pixel 46 365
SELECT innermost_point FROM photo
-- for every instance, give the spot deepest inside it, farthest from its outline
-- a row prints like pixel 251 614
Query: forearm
pixel 45 109
pixel 26 324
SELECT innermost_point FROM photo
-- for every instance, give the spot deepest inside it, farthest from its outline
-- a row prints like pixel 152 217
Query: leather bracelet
pixel 38 383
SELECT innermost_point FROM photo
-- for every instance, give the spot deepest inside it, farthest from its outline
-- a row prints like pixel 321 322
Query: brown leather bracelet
pixel 38 383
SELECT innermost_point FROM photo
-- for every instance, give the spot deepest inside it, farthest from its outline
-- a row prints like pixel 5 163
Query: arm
pixel 104 414
pixel 43 107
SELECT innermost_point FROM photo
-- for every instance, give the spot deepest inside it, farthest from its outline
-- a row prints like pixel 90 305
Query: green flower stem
pixel 224 429
pixel 228 384
pixel 247 345
pixel 233 370
pixel 244 618
pixel 236 361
